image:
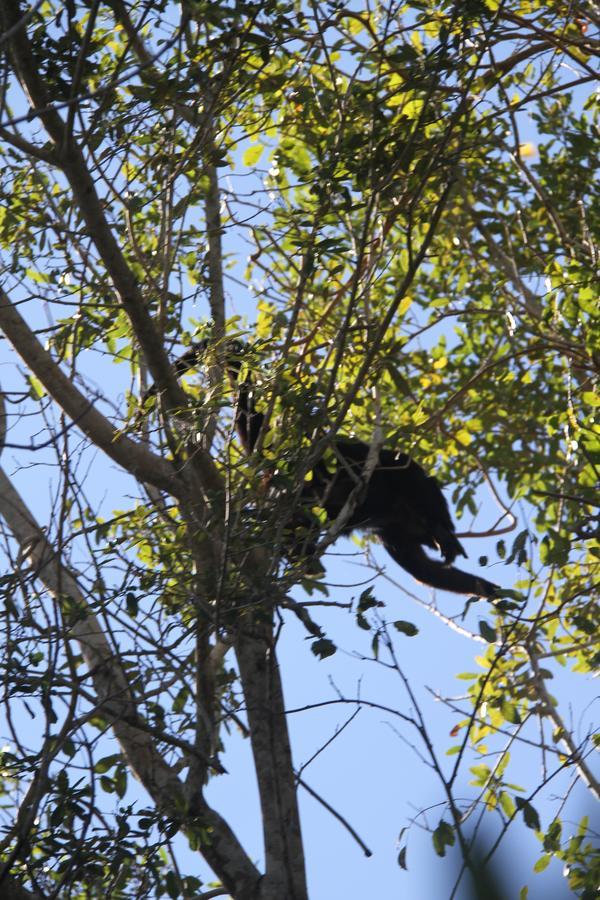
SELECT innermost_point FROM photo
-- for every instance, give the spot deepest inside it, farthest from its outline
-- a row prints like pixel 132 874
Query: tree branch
pixel 565 736
pixel 41 153
pixel 12 890
pixel 222 851
pixel 73 165
pixel 261 681
pixel 133 457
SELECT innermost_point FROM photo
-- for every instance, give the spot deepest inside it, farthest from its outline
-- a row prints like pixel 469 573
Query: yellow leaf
pixel 36 386
pixel 431 29
pixel 412 109
pixel 527 150
pixel 419 416
pixel 405 305
pixel 253 154
pixel 354 25
pixel 415 39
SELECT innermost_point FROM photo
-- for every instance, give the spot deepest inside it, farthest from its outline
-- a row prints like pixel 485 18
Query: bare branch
pixel 337 816
pixel 565 736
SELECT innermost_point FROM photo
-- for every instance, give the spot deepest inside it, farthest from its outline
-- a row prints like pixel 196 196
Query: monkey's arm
pixel 248 422
pixel 189 360
pixel 411 556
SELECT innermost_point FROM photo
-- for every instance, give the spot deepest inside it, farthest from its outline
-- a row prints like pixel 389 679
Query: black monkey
pixel 402 506
pixel 399 503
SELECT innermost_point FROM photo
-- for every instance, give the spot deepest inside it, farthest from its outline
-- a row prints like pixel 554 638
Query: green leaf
pixel 38 277
pixel 107 762
pixel 510 712
pixel 443 837
pixel 542 863
pixel 107 785
pixel 404 305
pixel 591 398
pixel 487 632
pixel 172 885
pixel 530 815
pixel 406 628
pixel 323 648
pixel 552 838
pixel 367 600
pixel 362 622
pixel 507 803
pixel 121 781
pixel 131 604
pixel 37 388
pixel 252 154
pixel 481 772
pixel 181 699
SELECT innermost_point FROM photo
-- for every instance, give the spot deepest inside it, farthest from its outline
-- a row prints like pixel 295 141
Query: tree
pixel 414 188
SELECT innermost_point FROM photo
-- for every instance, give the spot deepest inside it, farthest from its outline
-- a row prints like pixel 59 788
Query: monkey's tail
pixel 415 561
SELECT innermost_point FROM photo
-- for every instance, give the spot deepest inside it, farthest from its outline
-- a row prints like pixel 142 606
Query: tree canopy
pixel 391 208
